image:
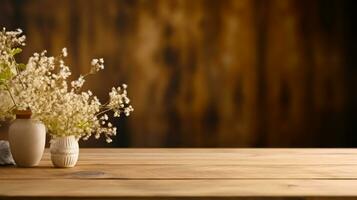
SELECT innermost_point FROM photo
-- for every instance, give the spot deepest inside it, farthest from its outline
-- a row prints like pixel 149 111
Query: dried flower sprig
pixel 10 43
pixel 65 110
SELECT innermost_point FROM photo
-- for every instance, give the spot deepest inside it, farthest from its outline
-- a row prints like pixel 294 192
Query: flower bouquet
pixel 39 92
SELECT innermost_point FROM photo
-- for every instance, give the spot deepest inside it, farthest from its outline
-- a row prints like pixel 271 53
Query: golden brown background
pixel 201 73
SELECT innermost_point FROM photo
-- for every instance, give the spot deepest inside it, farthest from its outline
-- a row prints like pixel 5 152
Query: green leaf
pixel 21 66
pixel 15 51
pixel 3 65
pixel 6 74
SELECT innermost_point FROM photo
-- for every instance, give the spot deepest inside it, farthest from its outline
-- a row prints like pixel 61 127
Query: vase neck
pixel 23 114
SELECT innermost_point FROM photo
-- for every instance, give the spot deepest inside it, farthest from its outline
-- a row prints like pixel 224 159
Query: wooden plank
pixel 186 173
pixel 177 188
pixel 157 172
pixel 259 151
pixel 217 156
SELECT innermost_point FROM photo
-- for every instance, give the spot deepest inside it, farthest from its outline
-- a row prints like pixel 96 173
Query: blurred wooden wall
pixel 231 73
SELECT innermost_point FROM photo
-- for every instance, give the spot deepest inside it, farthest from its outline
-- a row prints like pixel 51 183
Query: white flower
pixel 94 61
pixel 79 83
pixel 97 65
pixel 104 117
pixel 64 52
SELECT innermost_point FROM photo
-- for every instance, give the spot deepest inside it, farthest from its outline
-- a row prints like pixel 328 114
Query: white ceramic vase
pixel 27 138
pixel 64 151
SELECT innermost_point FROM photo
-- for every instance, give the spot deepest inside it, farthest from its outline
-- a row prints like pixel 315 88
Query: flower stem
pixel 12 107
pixel 12 98
pixel 103 111
pixel 18 72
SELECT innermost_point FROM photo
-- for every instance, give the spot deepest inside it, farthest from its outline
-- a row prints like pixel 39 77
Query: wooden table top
pixel 189 173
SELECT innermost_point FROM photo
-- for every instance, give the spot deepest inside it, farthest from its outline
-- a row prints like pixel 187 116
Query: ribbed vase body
pixel 64 151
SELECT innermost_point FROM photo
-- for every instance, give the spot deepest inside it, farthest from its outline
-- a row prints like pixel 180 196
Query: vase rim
pixel 23 114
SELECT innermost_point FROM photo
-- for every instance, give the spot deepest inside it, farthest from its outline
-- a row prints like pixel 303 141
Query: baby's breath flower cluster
pixel 64 109
pixel 97 65
pixel 10 41
pixel 119 101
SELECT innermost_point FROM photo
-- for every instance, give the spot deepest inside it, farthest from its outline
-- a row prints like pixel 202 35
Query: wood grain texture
pixel 180 188
pixel 189 173
pixel 203 73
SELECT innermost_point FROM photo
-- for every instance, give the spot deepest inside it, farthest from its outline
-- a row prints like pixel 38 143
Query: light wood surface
pixel 189 173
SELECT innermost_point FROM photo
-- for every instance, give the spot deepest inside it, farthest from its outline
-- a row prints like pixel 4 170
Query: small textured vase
pixel 64 151
pixel 27 138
